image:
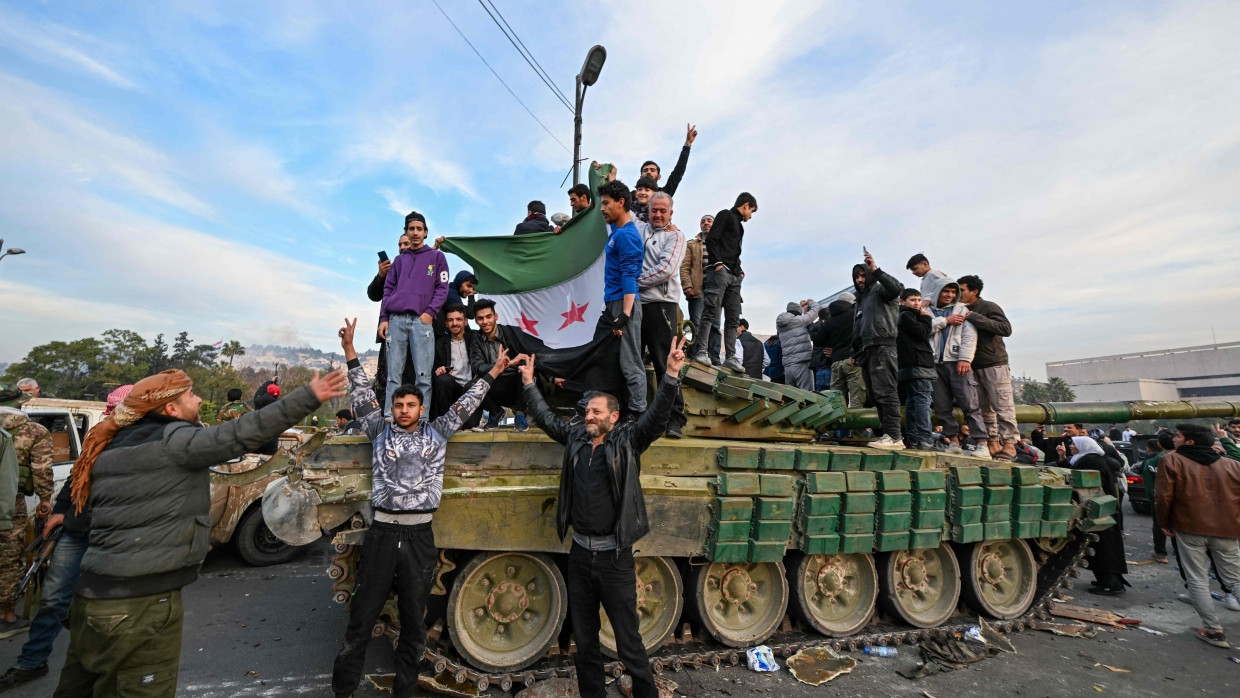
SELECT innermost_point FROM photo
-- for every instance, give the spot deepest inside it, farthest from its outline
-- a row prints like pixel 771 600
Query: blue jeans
pixel 63 571
pixel 822 378
pixel 713 343
pixel 408 335
pixel 919 392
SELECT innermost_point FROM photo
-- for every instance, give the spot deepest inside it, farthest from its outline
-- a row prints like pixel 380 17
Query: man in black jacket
pixel 453 373
pixel 846 376
pixel 601 498
pixel 916 369
pixel 506 389
pixel 651 169
pixel 722 287
pixel 535 220
pixel 874 345
pixel 990 367
pixel 752 350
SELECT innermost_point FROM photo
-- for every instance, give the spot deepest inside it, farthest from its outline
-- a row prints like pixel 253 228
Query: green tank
pixel 757 534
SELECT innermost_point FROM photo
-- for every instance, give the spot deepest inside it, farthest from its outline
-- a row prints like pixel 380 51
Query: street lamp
pixel 588 76
pixel 12 250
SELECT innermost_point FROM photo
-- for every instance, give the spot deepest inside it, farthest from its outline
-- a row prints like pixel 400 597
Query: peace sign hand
pixel 676 357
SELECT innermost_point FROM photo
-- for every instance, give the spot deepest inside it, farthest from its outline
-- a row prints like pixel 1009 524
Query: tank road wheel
pixel 505 609
pixel 835 594
pixel 1002 578
pixel 660 599
pixel 741 604
pixel 921 586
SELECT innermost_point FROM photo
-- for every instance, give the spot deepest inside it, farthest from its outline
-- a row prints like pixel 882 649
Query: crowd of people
pixel 132 510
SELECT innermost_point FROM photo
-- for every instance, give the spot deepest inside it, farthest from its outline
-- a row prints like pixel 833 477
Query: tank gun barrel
pixel 1085 412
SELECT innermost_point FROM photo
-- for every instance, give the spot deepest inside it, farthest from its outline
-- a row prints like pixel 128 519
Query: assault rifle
pixel 45 545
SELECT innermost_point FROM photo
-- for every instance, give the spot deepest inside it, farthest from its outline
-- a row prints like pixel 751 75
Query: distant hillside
pixel 267 356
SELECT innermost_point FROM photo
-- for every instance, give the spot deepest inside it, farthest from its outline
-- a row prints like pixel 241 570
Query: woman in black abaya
pixel 1109 563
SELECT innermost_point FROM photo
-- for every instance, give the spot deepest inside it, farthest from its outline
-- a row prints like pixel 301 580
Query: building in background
pixel 1209 372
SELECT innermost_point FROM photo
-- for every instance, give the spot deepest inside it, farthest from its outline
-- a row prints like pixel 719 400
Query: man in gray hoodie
pixel 954 343
pixel 792 325
pixel 659 292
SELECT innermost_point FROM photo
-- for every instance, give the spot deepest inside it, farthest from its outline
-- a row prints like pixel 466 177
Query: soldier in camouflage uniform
pixel 33 444
pixel 235 407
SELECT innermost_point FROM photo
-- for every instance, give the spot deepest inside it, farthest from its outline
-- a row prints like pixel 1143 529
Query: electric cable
pixel 525 52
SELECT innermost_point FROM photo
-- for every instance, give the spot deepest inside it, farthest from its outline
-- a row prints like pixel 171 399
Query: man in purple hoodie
pixel 413 292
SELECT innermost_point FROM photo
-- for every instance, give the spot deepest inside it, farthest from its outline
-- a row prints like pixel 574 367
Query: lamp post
pixel 588 76
pixel 18 250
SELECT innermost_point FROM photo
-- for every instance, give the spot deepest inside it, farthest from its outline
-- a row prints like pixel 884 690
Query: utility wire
pixel 528 55
pixel 497 77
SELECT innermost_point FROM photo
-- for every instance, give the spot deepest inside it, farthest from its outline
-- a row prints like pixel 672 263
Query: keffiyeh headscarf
pixel 146 395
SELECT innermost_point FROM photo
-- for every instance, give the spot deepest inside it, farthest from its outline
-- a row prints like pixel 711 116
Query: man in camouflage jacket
pixel 33 444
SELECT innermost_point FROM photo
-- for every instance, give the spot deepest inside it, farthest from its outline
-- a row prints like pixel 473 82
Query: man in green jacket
pixel 1148 470
pixel 143 471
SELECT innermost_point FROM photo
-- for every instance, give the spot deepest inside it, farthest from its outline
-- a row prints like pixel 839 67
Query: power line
pixel 528 55
pixel 497 77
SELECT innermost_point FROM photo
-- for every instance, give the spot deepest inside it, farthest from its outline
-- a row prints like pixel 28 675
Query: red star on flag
pixel 528 324
pixel 574 314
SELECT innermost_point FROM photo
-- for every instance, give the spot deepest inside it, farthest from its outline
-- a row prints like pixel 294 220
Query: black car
pixel 1136 453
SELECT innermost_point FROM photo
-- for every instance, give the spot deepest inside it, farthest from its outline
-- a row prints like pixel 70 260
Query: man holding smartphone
pixel 413 292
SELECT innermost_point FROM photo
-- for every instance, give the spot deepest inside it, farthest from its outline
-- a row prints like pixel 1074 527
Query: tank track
pixel 1055 573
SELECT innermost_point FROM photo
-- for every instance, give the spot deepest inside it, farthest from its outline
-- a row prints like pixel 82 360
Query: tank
pixel 757 534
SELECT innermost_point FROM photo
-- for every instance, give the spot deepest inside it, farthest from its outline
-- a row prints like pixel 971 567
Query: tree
pixel 157 355
pixel 232 349
pixel 182 350
pixel 1060 391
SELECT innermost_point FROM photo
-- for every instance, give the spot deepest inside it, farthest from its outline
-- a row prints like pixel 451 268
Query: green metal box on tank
pixel 751 524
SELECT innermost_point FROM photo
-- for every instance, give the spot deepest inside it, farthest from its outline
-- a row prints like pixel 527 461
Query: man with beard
pixel 874 345
pixel 601 498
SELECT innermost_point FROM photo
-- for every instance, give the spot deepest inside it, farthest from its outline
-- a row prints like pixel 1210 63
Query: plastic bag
pixel 761 658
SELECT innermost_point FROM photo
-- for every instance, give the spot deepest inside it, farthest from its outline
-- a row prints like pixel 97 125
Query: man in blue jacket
pixel 622 266
pixel 413 292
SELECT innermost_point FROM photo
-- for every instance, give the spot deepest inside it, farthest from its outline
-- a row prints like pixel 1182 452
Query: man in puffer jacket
pixel 792 325
pixel 398 553
pixel 954 342
pixel 874 345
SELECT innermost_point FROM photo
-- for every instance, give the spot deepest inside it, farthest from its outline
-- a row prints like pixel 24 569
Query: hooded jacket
pixel 950 343
pixel 913 355
pixel 929 281
pixel 878 304
pixel 992 326
pixel 838 330
pixel 534 223
pixel 1198 499
pixel 793 330
pixel 454 293
pixel 660 278
pixel 416 283
pixel 623 446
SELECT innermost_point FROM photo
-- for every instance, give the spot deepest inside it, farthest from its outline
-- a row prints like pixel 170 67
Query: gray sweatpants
pixel 799 375
pixel 1196 567
pixel 953 390
pixel 631 365
pixel 994 393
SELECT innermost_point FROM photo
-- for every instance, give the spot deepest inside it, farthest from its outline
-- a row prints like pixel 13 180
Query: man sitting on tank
pixel 601 498
pixel 398 553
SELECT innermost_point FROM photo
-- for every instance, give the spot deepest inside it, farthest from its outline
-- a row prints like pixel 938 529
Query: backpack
pixel 8 479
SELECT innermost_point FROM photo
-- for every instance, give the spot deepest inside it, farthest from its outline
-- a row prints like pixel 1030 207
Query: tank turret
pixel 752 525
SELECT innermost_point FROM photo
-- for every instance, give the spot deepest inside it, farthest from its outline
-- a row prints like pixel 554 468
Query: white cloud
pixel 403 139
pixel 38 43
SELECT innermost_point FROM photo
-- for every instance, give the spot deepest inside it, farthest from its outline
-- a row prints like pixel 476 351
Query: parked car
pixel 1136 452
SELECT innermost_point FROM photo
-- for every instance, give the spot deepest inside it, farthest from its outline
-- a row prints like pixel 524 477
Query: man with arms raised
pixel 143 474
pixel 399 550
pixel 601 498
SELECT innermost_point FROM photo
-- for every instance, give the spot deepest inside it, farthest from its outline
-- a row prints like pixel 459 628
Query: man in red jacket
pixel 1198 502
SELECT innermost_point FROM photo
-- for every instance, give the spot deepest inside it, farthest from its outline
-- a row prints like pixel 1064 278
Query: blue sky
pixel 232 169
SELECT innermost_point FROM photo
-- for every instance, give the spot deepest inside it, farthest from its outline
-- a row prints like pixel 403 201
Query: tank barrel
pixel 1086 412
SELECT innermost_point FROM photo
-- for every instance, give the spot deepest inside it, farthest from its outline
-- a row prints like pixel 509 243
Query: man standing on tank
pixel 722 292
pixel 874 345
pixel 601 498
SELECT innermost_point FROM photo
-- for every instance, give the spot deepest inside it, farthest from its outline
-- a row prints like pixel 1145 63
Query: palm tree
pixel 232 348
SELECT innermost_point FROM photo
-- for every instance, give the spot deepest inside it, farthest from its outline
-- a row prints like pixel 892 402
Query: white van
pixel 68 421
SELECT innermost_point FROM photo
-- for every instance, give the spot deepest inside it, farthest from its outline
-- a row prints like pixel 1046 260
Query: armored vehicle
pixel 758 535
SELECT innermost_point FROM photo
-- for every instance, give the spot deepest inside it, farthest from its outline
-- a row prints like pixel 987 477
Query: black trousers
pixel 658 331
pixel 394 558
pixel 505 392
pixel 608 578
pixel 1160 538
pixel 884 389
pixel 445 391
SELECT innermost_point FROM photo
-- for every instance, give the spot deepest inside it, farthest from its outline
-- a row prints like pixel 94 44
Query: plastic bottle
pixel 881 651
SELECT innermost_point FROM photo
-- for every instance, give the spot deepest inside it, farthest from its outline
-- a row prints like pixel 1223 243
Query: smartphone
pixel 383 256
pixel 864 251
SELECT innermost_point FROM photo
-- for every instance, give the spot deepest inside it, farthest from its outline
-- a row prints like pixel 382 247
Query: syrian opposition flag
pixel 548 293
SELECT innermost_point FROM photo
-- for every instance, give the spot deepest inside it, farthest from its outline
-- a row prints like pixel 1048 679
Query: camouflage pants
pixel 12 559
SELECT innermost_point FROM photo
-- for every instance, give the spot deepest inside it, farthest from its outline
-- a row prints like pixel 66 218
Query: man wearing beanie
pixel 143 475
pixel 792 325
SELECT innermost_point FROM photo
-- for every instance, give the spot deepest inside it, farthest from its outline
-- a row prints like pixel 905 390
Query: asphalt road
pixel 274 631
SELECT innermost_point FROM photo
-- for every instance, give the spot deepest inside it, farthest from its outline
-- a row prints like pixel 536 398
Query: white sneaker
pixel 1231 603
pixel 887 444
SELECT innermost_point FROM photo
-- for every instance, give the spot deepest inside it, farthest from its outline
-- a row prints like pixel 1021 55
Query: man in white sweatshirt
pixel 954 342
pixel 659 291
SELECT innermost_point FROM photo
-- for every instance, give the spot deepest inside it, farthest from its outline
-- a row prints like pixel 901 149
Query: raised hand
pixel 329 386
pixel 676 357
pixel 690 134
pixel 869 262
pixel 501 362
pixel 526 368
pixel 346 333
